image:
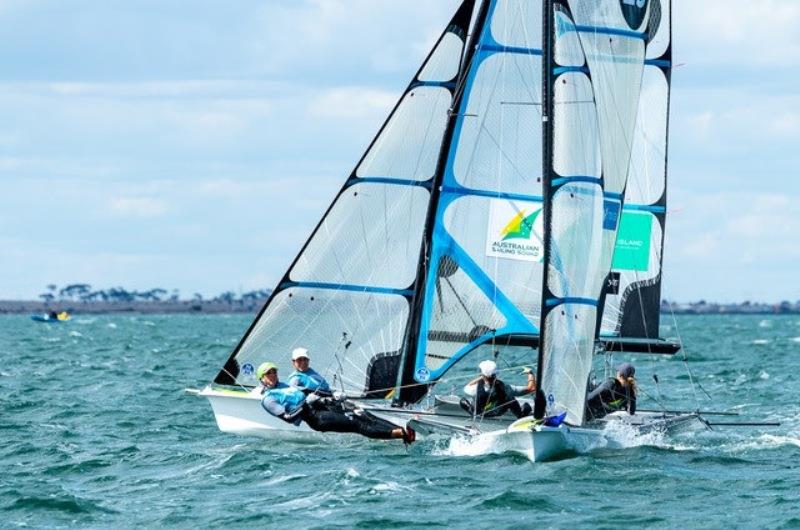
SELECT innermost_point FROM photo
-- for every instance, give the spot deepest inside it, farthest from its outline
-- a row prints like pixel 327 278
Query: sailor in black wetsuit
pixel 615 394
pixel 324 414
pixel 493 397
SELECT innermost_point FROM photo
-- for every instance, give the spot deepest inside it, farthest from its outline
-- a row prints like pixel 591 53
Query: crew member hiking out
pixel 306 378
pixel 323 414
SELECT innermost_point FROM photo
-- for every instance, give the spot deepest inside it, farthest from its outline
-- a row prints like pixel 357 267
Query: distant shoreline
pixel 95 307
pixel 32 307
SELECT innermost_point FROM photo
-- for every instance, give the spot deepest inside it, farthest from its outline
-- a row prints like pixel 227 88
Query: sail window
pixel 371 236
pixel 408 146
pixel 499 143
pixel 445 60
pixel 344 332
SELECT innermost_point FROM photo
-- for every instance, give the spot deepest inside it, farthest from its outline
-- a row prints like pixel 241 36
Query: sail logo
pixel 634 12
pixel 515 230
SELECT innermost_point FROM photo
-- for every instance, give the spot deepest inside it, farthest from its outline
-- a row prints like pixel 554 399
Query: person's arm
pixel 631 400
pixel 471 388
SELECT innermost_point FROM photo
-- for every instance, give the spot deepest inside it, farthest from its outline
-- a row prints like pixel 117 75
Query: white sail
pixel 634 292
pixel 346 297
pixel 483 281
pixel 598 55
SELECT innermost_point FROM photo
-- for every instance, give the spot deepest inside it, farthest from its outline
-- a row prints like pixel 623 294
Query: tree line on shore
pixel 83 292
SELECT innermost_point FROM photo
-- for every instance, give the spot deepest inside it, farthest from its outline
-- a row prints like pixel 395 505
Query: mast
pixel 409 390
pixel 547 173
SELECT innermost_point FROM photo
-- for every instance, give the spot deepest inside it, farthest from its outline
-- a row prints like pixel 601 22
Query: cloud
pixel 143 207
pixel 352 103
pixel 738 32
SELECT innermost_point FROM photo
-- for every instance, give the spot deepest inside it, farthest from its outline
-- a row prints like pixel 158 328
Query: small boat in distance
pixel 52 317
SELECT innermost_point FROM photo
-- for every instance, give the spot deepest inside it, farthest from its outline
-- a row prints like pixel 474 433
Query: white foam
pixel 765 324
pixel 761 341
pixel 75 334
pixel 111 325
pixel 795 339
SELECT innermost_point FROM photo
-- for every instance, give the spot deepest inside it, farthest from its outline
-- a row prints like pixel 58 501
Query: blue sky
pixel 195 145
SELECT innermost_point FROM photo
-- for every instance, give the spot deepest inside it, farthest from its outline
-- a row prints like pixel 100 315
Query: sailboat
pixel 511 206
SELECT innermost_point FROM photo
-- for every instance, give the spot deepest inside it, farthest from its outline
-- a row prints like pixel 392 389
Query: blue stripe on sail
pixel 612 195
pixel 389 180
pixel 443 84
pixel 570 300
pixel 577 178
pixel 658 62
pixel 509 49
pixel 564 69
pixel 348 287
pixel 610 31
pixel 645 208
pixel 461 190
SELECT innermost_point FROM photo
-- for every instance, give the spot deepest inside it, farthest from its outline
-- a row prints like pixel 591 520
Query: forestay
pixel 597 52
pixel 346 297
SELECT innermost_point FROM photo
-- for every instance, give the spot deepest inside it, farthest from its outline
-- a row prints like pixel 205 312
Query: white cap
pixel 298 353
pixel 488 368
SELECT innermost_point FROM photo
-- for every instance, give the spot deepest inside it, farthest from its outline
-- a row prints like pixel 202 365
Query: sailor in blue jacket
pixel 304 377
pixel 292 405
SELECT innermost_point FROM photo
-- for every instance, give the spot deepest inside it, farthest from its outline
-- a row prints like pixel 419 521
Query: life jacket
pixel 487 400
pixel 309 380
pixel 288 397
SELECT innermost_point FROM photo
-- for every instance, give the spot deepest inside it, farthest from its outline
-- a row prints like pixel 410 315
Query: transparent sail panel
pixel 659 28
pixel 498 141
pixel 575 244
pixel 371 237
pixel 408 146
pixel 576 143
pixel 567 50
pixel 505 239
pixel 324 321
pixel 461 313
pixel 517 23
pixel 647 174
pixel 445 60
pixel 568 350
pixel 615 59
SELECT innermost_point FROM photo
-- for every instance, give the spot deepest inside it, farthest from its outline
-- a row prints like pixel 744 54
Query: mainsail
pixel 346 297
pixel 633 295
pixel 482 282
pixel 595 57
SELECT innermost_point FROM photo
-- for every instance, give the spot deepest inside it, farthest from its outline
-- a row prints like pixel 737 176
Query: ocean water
pixel 97 433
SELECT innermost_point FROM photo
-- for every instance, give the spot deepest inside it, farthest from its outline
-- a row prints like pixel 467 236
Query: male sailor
pixel 617 393
pixel 291 404
pixel 492 397
pixel 306 378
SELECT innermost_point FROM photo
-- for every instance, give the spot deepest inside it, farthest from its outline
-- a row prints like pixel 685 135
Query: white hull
pixel 540 443
pixel 240 412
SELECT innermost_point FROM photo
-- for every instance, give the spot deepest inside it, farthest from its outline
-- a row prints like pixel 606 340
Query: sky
pixel 162 143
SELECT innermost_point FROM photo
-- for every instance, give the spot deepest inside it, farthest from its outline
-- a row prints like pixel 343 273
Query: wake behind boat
pixel 511 207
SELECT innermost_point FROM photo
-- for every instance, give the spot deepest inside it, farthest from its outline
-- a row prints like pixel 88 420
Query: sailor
pixel 291 404
pixel 617 393
pixel 306 378
pixel 279 399
pixel 492 397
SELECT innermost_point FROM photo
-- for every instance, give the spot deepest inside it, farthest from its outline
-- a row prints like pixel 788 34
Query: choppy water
pixel 96 432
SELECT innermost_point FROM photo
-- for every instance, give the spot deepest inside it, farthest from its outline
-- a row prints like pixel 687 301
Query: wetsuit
pixel 327 415
pixel 495 399
pixel 608 397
